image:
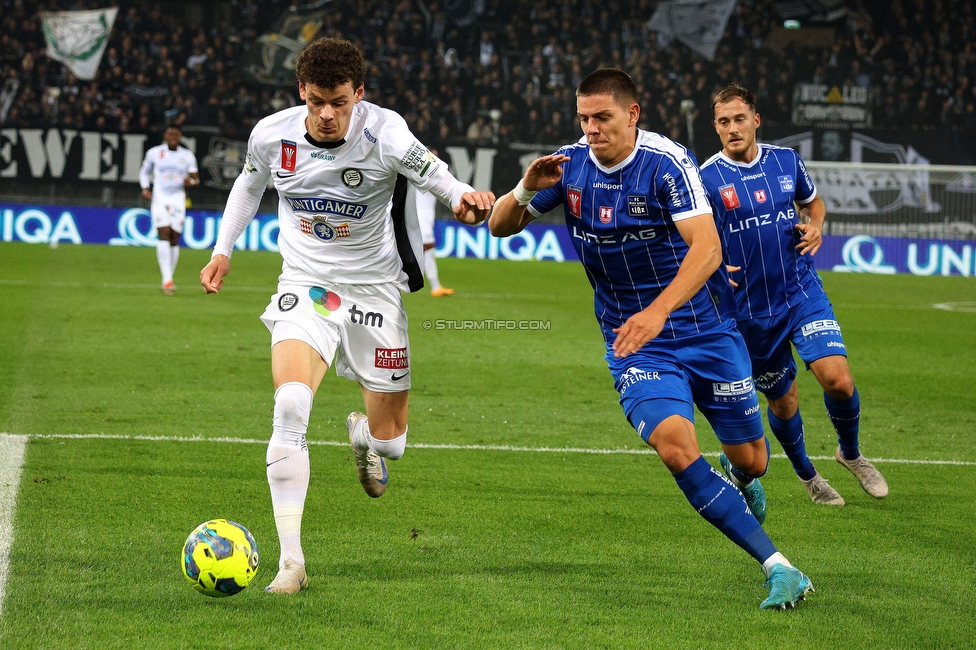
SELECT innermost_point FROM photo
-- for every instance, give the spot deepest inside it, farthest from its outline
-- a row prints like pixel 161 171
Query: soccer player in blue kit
pixel 643 228
pixel 770 219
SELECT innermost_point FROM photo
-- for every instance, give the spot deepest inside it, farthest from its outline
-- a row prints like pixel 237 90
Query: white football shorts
pixel 363 326
pixel 169 212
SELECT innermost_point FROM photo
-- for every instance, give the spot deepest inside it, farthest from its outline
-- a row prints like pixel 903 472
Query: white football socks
pixel 430 269
pixel 288 467
pixel 164 257
pixel 389 449
pixel 774 559
pixel 174 257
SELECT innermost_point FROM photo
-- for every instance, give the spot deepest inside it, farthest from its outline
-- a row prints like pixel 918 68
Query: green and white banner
pixel 78 38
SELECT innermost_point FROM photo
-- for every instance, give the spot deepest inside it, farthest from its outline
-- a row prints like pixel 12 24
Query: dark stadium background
pixel 494 73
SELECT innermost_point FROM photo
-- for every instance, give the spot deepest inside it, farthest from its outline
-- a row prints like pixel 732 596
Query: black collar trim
pixel 324 145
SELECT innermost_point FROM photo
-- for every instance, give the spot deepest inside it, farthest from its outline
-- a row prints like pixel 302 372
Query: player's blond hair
pixel 732 92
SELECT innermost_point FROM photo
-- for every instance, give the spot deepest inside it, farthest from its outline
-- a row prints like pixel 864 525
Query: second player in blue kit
pixel 771 220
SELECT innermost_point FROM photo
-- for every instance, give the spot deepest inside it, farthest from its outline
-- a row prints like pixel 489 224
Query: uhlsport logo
pixel 325 302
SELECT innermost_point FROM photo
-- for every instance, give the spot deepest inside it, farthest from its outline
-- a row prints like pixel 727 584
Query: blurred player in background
pixel 170 169
pixel 341 168
pixel 424 205
pixel 771 220
pixel 644 231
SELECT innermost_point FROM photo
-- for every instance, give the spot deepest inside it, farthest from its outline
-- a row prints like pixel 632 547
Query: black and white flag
pixel 699 24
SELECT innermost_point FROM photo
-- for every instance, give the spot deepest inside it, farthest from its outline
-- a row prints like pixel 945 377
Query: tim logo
pixel 820 327
pixel 392 358
pixel 729 197
pixel 606 214
pixel 289 155
pixel 575 197
pixel 367 318
pixel 760 195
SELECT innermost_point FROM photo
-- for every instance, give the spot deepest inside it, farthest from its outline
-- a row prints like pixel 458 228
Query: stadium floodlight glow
pixel 791 24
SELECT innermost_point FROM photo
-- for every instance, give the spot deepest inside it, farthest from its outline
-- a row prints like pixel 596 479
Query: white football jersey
pixel 167 169
pixel 340 208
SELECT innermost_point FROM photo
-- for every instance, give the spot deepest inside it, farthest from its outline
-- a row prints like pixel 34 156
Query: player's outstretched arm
pixel 474 207
pixel 212 275
pixel 703 258
pixel 812 217
pixel 510 214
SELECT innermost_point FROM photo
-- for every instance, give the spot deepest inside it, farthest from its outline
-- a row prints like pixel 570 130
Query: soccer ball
pixel 220 558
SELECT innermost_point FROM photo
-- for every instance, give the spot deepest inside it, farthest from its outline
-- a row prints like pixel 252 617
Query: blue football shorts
pixel 809 325
pixel 671 376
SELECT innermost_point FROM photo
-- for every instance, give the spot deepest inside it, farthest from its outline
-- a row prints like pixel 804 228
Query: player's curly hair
pixel 609 81
pixel 330 62
pixel 732 92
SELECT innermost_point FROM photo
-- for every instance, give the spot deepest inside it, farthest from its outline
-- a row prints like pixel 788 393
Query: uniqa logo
pixel 129 230
pixel 854 262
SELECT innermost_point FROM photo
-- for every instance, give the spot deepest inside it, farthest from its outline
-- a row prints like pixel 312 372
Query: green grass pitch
pixel 502 527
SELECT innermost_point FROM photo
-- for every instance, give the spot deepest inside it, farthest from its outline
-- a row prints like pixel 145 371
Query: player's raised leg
pixel 844 409
pixel 297 370
pixel 380 433
pixel 709 493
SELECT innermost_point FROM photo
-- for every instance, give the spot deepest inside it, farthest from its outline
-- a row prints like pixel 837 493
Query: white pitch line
pixel 118 286
pixel 640 451
pixel 11 463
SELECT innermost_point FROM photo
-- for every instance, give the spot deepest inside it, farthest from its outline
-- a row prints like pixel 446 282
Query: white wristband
pixel 522 195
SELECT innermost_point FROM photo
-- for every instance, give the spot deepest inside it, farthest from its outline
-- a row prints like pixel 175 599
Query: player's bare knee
pixel 839 386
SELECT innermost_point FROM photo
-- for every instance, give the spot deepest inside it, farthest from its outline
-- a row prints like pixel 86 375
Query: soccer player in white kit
pixel 340 166
pixel 169 168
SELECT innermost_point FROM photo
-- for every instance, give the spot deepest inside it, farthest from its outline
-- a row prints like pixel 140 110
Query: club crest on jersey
pixel 637 206
pixel 319 229
pixel 606 214
pixel 352 177
pixel 785 183
pixel 729 197
pixel 760 196
pixel 575 197
pixel 289 155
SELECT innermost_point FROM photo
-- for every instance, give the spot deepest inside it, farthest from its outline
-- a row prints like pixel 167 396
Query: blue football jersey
pixel 756 214
pixel 622 224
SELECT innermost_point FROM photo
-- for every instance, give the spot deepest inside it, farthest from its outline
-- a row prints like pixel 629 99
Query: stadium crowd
pixel 505 75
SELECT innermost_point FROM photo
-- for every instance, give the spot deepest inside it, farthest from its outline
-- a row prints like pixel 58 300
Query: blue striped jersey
pixel 622 223
pixel 756 216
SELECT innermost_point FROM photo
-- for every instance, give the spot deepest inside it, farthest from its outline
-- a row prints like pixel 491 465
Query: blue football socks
pixel 845 414
pixel 789 433
pixel 723 506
